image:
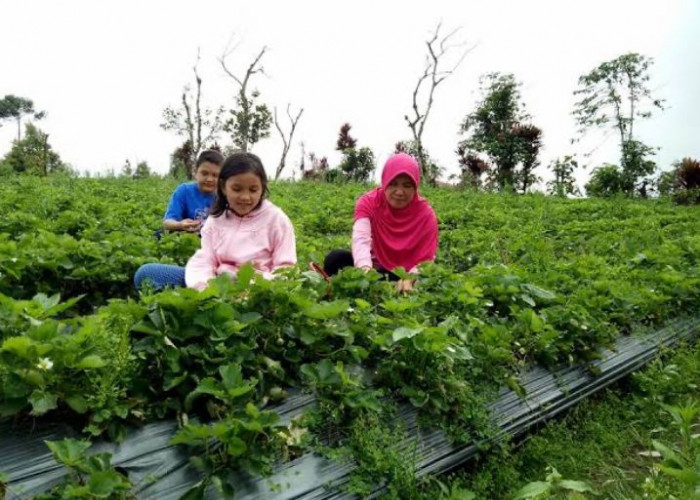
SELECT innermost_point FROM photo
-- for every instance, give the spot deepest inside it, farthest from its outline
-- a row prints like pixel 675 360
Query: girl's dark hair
pixel 238 163
pixel 211 156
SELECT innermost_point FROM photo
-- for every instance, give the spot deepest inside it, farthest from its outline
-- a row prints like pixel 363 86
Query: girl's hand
pixel 405 285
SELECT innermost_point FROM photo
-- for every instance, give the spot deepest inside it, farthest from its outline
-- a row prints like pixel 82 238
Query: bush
pixel 606 180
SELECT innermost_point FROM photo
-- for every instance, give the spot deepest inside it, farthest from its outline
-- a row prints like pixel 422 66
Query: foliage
pixel 33 154
pixel 530 138
pixel 15 107
pixel 606 439
pixel 686 182
pixel 472 167
pixel 357 165
pixel 498 128
pixel 319 170
pixel 345 140
pixel 605 181
pixel 249 122
pixel 554 484
pixel 518 281
pixel 682 462
pixel 564 182
pixel 429 168
pixel 197 125
pixel 142 170
pixel 88 476
pixel 614 95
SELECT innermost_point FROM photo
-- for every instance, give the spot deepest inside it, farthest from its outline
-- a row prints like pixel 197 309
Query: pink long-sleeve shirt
pixel 362 244
pixel 264 238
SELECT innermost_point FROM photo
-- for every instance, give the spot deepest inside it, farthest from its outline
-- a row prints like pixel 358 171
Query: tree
pixel 33 154
pixel 613 96
pixel 685 187
pixel 319 168
pixel 15 107
pixel 429 169
pixel 497 128
pixel 286 140
pixel 249 121
pixel 345 140
pixel 666 182
pixel 357 164
pixel 142 170
pixel 199 126
pixel 606 180
pixel 472 167
pixel 530 142
pixel 433 75
pixel 564 182
pixel 127 169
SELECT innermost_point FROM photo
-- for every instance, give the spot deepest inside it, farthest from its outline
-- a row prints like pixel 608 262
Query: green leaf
pixel 231 375
pixel 77 402
pixel 538 292
pixel 405 333
pixel 669 455
pixel 223 485
pixel 206 386
pixel 12 406
pixel 685 475
pixel 245 274
pixel 17 345
pixel 196 492
pixel 91 361
pixel 68 452
pixel 326 310
pixel 579 486
pixel 42 402
pixel 250 317
pixel 104 483
pixel 532 490
pixel 47 302
pixel 236 446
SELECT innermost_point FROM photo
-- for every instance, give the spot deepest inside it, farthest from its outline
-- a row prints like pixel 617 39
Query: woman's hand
pixel 405 285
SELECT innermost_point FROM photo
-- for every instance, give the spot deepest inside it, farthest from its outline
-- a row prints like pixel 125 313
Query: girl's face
pixel 243 192
pixel 400 191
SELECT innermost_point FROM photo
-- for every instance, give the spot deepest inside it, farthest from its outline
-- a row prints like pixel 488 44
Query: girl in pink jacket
pixel 243 227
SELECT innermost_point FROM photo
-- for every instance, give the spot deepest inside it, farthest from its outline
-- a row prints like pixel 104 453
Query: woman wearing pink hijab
pixel 394 226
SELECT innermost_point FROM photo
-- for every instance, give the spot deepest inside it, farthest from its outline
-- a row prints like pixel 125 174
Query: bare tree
pixel 249 122
pixel 433 75
pixel 286 140
pixel 199 126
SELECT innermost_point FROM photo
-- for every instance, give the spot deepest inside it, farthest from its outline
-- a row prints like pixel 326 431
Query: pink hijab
pixel 405 236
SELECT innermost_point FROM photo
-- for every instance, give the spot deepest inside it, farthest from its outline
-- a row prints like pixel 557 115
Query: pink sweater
pixel 362 244
pixel 264 238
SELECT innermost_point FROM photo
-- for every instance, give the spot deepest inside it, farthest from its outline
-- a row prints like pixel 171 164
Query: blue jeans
pixel 160 276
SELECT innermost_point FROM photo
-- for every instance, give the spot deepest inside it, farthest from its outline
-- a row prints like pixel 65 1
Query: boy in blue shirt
pixel 190 202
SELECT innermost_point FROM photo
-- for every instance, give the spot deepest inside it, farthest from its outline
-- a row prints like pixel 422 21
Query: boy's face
pixel 207 175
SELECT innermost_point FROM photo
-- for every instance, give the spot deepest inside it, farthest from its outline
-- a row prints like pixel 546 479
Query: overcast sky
pixel 104 71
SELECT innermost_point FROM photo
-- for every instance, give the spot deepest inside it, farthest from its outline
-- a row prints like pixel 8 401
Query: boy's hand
pixel 404 285
pixel 189 225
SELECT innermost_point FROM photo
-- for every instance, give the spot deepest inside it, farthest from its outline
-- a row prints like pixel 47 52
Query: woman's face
pixel 400 191
pixel 243 192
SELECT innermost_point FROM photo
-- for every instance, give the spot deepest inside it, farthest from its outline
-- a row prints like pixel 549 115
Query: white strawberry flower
pixel 44 364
